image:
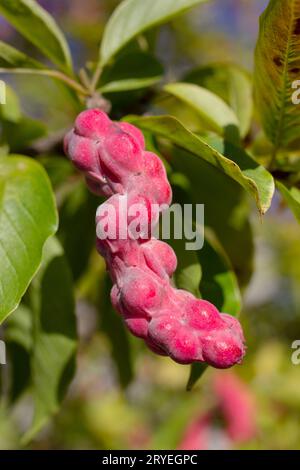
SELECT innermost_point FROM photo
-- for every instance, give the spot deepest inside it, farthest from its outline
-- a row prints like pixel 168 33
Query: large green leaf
pixel 228 216
pixel 31 20
pixel 131 71
pixel 232 84
pixel 218 283
pixel 277 66
pixel 214 112
pixel 252 177
pixel 291 197
pixel 53 335
pixel 27 218
pixel 133 17
pixel 12 58
pixel 188 272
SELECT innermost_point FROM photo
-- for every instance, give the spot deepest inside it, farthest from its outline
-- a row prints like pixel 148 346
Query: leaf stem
pixel 52 74
pixel 85 79
pixel 96 77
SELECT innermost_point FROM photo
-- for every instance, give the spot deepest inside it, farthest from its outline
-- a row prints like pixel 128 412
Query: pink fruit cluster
pixel 172 322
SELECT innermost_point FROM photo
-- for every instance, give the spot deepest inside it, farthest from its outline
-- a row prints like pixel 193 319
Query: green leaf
pixel 277 61
pixel 188 272
pixel 214 112
pixel 196 372
pixel 131 72
pixel 254 178
pixel 39 27
pixel 133 17
pixel 232 84
pixel 218 284
pixel 12 58
pixel 228 216
pixel 18 327
pixel 291 197
pixel 77 228
pixel 129 84
pixel 54 335
pixel 27 218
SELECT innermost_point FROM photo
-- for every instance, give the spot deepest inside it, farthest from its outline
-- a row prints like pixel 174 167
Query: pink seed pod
pixel 222 348
pixel 121 154
pixel 160 258
pixel 93 124
pixel 84 154
pixel 172 322
pixel 202 315
pixel 141 293
pixel 134 132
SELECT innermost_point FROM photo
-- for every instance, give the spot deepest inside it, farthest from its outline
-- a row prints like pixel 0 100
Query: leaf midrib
pixel 282 114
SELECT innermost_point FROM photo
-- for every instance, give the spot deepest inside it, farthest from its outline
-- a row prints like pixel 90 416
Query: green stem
pixel 96 77
pixel 52 74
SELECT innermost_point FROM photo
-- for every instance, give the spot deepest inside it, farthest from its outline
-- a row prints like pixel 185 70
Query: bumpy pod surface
pixel 172 322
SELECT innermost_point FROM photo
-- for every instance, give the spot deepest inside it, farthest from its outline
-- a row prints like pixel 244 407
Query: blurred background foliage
pixel 122 395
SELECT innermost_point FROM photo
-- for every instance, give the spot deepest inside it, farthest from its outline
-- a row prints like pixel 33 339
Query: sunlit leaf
pixel 133 17
pixel 254 178
pixel 232 84
pixel 213 111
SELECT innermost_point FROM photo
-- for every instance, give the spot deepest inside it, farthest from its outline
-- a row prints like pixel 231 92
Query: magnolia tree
pixel 141 143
